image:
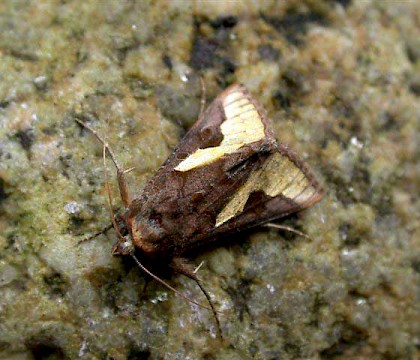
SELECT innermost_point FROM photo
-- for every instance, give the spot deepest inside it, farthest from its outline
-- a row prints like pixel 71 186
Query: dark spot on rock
pixel 343 231
pixel 268 52
pixel 203 55
pixel 361 180
pixel 65 160
pixel 51 130
pixel 44 347
pixel 4 345
pixel 415 264
pixel 56 284
pixel 24 54
pixel 240 296
pixel 167 61
pixel 4 104
pixel 225 76
pixel 176 104
pixel 356 294
pixel 412 49
pixel 389 122
pixel 26 138
pixel 12 240
pixel 343 107
pixel 253 349
pixel 139 89
pixel 282 99
pixel 294 80
pixel 344 3
pixel 229 66
pixel 291 349
pixel 110 283
pixel 121 46
pixel 292 86
pixel 348 236
pixel 294 25
pixel 3 194
pixel 135 354
pixel 75 223
pixel 414 85
pixel 212 49
pixel 224 21
pixel 351 339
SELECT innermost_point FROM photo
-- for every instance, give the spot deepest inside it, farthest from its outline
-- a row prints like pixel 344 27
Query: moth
pixel 228 173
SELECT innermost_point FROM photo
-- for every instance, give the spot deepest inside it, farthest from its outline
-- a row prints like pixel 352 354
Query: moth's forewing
pixel 227 173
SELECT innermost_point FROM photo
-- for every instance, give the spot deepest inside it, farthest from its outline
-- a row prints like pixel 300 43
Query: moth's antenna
pixel 94 132
pixel 122 183
pixel 163 282
pixel 108 190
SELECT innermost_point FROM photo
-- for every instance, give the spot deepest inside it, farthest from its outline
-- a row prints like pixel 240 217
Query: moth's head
pixel 124 246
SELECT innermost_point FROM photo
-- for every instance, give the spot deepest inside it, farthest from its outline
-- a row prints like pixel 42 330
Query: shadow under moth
pixel 228 173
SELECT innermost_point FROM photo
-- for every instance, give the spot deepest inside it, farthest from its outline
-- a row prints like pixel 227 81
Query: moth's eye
pixel 126 247
pixel 156 219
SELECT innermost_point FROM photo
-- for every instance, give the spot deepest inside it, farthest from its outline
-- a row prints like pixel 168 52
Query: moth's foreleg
pixel 91 237
pixel 181 266
pixel 122 183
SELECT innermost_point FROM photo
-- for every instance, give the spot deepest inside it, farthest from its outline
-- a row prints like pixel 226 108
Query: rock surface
pixel 340 80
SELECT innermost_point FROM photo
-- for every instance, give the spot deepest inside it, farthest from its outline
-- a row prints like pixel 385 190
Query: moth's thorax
pixel 146 234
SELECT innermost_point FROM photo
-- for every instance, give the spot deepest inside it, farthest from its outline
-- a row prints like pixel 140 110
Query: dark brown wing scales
pixel 219 153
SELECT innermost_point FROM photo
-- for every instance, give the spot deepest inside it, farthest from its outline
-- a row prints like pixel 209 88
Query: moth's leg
pixel 103 231
pixel 198 267
pixel 122 183
pixel 181 266
pixel 288 228
pixel 184 267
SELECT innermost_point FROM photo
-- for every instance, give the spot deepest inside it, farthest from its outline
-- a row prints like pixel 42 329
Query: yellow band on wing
pixel 243 125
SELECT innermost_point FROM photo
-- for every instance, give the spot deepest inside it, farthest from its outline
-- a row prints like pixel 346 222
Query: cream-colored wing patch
pixel 243 125
pixel 279 176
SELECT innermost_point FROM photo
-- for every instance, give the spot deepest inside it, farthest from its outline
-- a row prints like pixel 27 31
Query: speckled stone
pixel 340 80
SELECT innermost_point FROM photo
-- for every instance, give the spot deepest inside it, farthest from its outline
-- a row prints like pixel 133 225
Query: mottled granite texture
pixel 340 79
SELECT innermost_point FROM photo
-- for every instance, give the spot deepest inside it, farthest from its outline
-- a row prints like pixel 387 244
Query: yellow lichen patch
pixel 278 176
pixel 243 125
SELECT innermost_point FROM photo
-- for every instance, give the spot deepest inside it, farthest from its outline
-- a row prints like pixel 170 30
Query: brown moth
pixel 228 173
